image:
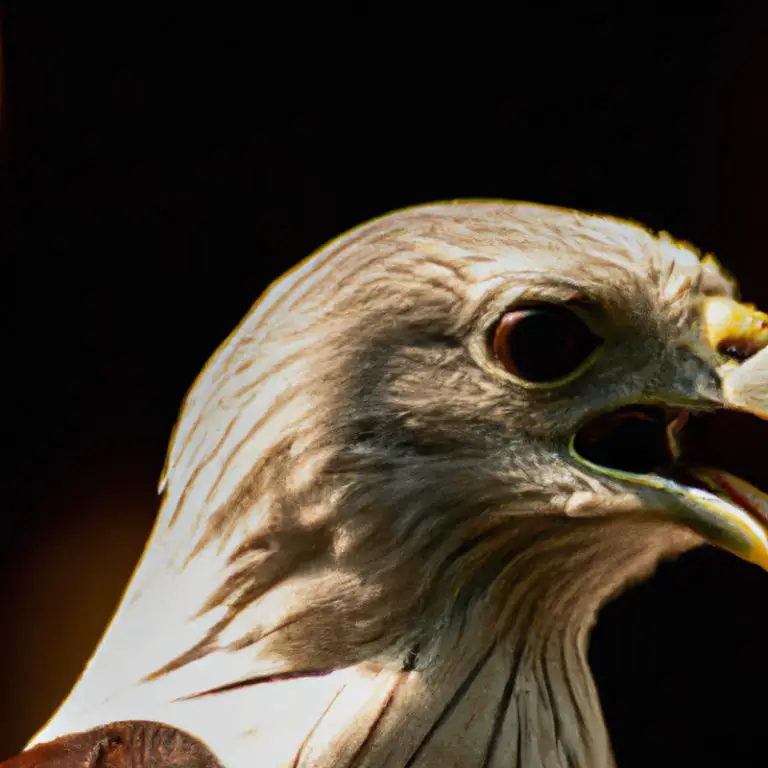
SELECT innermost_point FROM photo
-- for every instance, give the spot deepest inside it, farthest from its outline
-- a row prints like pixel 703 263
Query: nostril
pixel 741 349
pixel 735 330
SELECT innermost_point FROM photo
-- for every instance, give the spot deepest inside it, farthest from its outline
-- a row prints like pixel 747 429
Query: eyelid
pixel 484 313
pixel 590 311
pixel 481 321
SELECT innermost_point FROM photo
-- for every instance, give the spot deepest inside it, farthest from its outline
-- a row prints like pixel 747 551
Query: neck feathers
pixel 500 677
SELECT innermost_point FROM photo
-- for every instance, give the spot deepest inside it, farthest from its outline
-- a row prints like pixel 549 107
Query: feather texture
pixel 367 552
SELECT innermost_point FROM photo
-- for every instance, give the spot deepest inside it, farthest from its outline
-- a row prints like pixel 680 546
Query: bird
pixel 399 493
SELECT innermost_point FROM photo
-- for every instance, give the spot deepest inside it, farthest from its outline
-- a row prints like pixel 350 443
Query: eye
pixel 542 344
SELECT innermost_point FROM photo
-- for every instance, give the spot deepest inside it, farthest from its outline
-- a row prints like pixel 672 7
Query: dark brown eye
pixel 542 344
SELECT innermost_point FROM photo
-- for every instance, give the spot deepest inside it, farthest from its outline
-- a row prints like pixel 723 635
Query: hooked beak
pixel 724 509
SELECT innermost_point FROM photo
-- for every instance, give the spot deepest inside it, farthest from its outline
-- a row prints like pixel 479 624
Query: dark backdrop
pixel 159 169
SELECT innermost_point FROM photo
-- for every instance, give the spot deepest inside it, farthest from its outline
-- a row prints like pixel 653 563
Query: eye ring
pixel 543 345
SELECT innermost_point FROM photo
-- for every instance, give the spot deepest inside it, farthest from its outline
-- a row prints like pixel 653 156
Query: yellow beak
pixel 741 330
pixel 728 512
pixel 734 328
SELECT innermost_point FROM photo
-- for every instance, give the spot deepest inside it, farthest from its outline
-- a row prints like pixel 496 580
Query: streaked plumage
pixel 375 548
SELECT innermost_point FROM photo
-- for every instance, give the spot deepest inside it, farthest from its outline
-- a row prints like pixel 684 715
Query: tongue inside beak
pixel 740 331
pixel 734 489
pixel 740 513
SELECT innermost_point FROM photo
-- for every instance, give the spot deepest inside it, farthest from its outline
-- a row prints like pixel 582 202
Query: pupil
pixel 546 345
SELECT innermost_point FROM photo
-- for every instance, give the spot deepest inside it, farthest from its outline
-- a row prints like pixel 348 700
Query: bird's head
pixel 457 405
pixel 405 483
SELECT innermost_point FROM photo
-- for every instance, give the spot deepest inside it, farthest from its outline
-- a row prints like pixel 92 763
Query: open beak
pixel 649 450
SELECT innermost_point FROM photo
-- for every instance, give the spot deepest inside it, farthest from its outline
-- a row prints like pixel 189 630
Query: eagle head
pixel 401 489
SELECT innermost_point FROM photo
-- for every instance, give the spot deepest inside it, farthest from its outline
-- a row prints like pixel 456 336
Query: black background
pixel 160 169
